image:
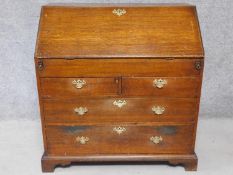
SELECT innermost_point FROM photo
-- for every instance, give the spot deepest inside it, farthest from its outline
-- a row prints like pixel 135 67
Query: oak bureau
pixel 118 83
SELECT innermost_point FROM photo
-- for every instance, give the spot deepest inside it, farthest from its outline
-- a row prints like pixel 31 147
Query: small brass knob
pixel 82 140
pixel 156 139
pixel 80 110
pixel 40 64
pixel 198 65
pixel 79 83
pixel 158 110
pixel 159 83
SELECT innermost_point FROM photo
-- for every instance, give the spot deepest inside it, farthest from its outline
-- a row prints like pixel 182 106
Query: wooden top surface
pixel 94 31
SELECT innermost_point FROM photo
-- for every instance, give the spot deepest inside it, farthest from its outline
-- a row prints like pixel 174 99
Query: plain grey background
pixel 18 29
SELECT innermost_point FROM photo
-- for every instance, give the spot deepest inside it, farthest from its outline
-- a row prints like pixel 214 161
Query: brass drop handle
pixel 119 12
pixel 79 83
pixel 119 103
pixel 82 139
pixel 159 83
pixel 156 139
pixel 119 130
pixel 80 110
pixel 158 110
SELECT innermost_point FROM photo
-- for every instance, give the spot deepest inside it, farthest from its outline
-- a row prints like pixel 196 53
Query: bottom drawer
pixel 122 139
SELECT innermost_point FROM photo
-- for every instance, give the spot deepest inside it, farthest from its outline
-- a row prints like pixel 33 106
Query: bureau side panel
pixel 198 105
pixel 41 105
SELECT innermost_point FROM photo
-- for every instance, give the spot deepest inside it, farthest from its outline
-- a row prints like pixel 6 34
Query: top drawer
pixel 76 87
pixel 119 67
pixel 185 87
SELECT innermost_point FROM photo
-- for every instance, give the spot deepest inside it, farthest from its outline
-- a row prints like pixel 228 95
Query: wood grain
pixel 174 87
pixel 189 161
pixel 102 111
pixel 103 140
pixel 119 57
pixel 120 67
pixel 64 88
pixel 149 31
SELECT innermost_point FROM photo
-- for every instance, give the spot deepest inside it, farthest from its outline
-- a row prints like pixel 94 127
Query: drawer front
pixel 118 139
pixel 76 87
pixel 161 86
pixel 87 111
pixel 120 67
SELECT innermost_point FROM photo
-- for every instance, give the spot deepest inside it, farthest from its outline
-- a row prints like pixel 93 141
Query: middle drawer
pixel 112 110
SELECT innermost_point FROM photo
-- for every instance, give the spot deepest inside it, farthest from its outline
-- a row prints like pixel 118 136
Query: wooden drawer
pixel 106 110
pixel 118 139
pixel 120 67
pixel 161 86
pixel 76 87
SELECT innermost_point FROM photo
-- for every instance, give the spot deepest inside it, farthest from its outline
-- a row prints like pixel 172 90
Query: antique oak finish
pixel 119 83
